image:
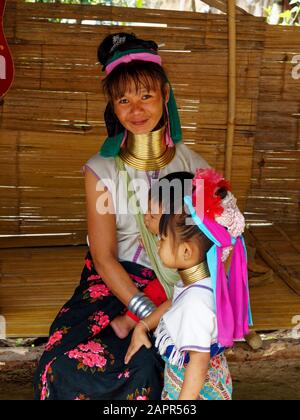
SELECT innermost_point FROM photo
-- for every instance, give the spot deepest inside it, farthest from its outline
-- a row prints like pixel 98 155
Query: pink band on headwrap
pixel 133 56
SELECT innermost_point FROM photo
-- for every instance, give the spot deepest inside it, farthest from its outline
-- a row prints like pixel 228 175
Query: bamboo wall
pixel 275 189
pixel 51 122
pixel 52 118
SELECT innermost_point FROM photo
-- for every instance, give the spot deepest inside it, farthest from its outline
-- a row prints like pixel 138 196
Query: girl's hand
pixel 139 339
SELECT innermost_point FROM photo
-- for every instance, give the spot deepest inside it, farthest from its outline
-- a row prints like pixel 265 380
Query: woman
pixel 84 357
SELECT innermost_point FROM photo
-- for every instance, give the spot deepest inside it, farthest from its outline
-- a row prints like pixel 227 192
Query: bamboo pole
pixel 231 15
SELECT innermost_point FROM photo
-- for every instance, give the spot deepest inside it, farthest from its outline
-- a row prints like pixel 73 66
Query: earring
pixel 169 141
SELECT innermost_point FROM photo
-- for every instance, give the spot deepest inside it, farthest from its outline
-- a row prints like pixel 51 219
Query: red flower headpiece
pixel 213 181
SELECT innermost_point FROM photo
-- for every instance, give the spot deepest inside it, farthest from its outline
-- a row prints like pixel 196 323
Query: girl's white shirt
pixel 190 324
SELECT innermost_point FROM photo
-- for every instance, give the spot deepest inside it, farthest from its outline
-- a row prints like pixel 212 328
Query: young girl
pixel 205 315
pixel 159 201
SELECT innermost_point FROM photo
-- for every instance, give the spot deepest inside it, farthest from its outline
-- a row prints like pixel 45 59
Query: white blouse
pixel 128 236
pixel 190 324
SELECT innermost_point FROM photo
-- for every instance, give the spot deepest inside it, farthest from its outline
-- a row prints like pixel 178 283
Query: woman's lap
pixel 142 378
pixel 84 359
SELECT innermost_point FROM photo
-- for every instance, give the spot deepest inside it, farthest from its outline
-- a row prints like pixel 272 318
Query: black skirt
pixel 84 359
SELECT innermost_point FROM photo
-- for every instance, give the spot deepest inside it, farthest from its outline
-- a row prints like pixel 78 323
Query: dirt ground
pixel 271 373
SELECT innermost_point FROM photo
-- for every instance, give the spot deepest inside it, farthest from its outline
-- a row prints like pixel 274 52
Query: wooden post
pixel 231 15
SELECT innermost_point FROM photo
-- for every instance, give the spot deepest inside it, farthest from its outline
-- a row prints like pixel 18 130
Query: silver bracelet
pixel 135 307
pixel 135 302
pixel 141 306
pixel 145 309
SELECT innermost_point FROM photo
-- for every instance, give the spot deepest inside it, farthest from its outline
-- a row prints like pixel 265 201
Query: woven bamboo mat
pixel 35 283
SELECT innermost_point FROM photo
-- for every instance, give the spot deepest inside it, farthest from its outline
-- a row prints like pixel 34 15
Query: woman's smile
pixel 141 122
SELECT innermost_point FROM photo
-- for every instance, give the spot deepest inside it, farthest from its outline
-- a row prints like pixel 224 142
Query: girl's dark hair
pixel 182 228
pixel 140 73
pixel 169 191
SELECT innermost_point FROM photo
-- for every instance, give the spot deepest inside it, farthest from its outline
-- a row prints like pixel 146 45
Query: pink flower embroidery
pixel 98 290
pixel 94 277
pixel 64 311
pixel 90 355
pixel 88 263
pixel 140 395
pixel 126 374
pixel 81 397
pixel 146 272
pixel 95 329
pixel 53 339
pixel 44 391
pixel 92 346
pixel 100 321
pixel 140 282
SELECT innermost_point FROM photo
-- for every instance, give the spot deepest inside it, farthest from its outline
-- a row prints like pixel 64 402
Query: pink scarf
pixel 232 293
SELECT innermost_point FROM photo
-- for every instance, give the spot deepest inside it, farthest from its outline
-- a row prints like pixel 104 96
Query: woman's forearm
pixel 117 280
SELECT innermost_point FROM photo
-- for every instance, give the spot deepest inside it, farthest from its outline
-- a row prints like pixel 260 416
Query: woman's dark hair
pixel 121 41
pixel 140 73
pixel 177 221
pixel 143 73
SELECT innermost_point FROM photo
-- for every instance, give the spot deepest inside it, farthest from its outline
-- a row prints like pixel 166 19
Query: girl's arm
pixel 195 375
pixel 140 337
pixel 153 319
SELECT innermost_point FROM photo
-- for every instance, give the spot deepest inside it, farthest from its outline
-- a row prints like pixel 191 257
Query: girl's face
pixel 140 111
pixel 167 254
pixel 182 255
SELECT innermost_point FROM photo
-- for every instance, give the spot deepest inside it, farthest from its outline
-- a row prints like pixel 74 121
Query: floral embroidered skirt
pixel 84 359
pixel 217 385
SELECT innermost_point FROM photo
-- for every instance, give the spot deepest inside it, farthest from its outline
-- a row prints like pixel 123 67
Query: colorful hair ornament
pixel 207 182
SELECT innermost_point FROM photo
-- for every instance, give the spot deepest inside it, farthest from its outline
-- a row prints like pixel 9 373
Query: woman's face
pixel 140 111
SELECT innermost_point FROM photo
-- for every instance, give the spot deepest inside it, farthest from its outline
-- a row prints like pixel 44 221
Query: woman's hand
pixel 139 339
